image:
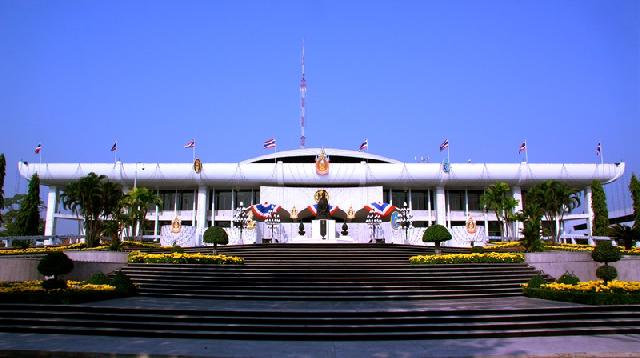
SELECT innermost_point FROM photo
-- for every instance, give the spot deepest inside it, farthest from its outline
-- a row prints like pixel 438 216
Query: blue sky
pixel 77 75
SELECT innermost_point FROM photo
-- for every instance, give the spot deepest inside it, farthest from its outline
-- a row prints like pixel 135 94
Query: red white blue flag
pixel 38 148
pixel 190 144
pixel 263 211
pixel 364 145
pixel 598 149
pixel 444 145
pixel 114 147
pixel 523 147
pixel 270 143
pixel 383 209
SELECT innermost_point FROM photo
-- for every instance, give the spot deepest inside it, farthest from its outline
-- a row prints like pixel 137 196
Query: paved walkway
pixel 55 345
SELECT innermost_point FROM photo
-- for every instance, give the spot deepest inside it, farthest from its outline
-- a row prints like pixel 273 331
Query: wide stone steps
pixel 328 272
pixel 319 325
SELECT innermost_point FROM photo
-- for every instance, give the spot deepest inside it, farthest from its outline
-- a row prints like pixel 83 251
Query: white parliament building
pixel 198 195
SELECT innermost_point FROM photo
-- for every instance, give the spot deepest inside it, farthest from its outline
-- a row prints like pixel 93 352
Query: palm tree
pixel 137 202
pixel 498 198
pixel 557 200
pixel 94 199
pixel 626 235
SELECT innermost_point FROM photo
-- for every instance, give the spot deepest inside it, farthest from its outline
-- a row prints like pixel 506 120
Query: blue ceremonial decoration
pixel 263 211
pixel 314 209
pixel 384 209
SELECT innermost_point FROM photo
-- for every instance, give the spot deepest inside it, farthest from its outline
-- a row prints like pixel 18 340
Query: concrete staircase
pixel 329 272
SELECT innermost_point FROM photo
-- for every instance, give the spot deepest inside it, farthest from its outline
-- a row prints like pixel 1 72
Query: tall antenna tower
pixel 303 95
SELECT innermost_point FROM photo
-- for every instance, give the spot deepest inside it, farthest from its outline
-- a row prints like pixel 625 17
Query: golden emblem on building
pixel 197 166
pixel 176 225
pixel 322 163
pixel 319 194
pixel 471 225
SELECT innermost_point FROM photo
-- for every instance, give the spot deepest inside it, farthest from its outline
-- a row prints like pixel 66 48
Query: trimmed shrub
pixel 606 273
pixel 536 281
pixel 55 264
pixel 123 284
pixel 216 235
pixel 53 284
pixel 99 278
pixel 177 249
pixel 605 252
pixel 568 279
pixel 437 234
pixel 477 250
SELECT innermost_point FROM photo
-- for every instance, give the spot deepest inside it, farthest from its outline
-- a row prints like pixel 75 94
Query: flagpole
pixel 448 155
pixel 194 151
pixel 115 153
pixel 601 154
pixel 526 152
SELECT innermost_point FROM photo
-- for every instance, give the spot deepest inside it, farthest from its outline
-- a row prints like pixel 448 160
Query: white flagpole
pixel 115 152
pixel 526 151
pixel 193 151
pixel 448 155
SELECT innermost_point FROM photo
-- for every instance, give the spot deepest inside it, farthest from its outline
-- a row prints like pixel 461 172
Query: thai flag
pixel 270 143
pixel 444 145
pixel 38 149
pixel 114 147
pixel 523 147
pixel 190 144
pixel 364 145
pixel 598 149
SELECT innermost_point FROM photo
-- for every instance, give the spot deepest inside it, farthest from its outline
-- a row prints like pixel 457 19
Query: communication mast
pixel 303 94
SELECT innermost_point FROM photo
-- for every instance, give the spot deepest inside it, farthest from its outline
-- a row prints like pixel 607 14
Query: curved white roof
pixel 243 174
pixel 307 152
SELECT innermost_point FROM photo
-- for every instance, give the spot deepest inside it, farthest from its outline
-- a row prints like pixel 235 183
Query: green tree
pixel 499 199
pixel 437 234
pixel 55 264
pixel 215 235
pixel 28 218
pixel 531 217
pixel 634 188
pixel 137 202
pixel 3 167
pixel 605 252
pixel 600 210
pixel 557 200
pixel 94 198
pixel 624 235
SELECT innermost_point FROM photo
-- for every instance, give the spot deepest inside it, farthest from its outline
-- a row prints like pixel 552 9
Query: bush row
pixel 492 257
pixel 182 258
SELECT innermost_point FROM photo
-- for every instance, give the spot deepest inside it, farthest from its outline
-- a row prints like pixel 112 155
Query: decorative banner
pixel 471 225
pixel 314 209
pixel 176 225
pixel 384 209
pixel 197 166
pixel 322 163
pixel 263 211
pixel 394 220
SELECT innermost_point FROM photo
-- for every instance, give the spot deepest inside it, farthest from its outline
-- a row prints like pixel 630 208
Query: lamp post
pixel 374 221
pixel 405 220
pixel 241 218
pixel 272 221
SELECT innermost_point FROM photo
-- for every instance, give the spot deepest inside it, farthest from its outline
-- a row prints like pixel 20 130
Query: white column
pixel 52 208
pixel 201 211
pixel 213 207
pixel 588 200
pixel 466 203
pixel 233 203
pixel 517 194
pixel 440 206
pixel 156 220
pixel 194 207
pixel 429 206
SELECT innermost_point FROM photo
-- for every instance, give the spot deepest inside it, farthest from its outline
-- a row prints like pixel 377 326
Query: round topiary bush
pixel 606 273
pixel 605 252
pixel 55 264
pixel 536 281
pixel 437 234
pixel 477 250
pixel 216 235
pixel 568 279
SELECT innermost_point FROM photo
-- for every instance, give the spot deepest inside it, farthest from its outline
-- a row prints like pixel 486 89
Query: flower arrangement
pixel 503 244
pixel 492 257
pixel 588 292
pixel 570 247
pixel 75 292
pixel 184 258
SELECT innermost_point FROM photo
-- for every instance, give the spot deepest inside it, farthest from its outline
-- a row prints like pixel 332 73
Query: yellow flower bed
pixel 36 286
pixel 184 258
pixel 492 257
pixel 596 286
pixel 32 250
pixel 570 247
pixel 503 244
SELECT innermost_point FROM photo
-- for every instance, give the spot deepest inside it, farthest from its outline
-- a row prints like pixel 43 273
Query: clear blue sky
pixel 76 75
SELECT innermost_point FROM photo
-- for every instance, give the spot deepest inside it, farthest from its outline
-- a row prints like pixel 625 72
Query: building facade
pixel 206 194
